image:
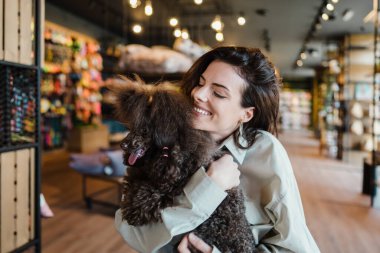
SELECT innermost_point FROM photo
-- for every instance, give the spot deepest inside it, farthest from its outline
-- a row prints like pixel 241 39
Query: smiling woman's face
pixel 217 101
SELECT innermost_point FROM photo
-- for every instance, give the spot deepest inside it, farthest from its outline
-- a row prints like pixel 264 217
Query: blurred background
pixel 60 159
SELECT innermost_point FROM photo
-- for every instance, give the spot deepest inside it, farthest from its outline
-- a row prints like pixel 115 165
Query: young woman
pixel 235 93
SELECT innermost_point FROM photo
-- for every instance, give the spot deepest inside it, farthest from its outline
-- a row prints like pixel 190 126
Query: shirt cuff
pixel 203 193
pixel 215 250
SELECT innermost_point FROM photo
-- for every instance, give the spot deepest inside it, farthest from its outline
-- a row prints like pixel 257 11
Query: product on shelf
pixel 157 59
pixel 295 109
pixel 70 94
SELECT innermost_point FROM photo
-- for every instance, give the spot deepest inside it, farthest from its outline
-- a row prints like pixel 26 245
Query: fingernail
pixel 191 236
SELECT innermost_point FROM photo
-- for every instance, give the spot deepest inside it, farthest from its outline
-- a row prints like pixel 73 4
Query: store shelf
pixel 20 127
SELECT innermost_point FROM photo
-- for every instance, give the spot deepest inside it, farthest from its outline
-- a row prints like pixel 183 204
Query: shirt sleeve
pixel 289 232
pixel 282 227
pixel 201 196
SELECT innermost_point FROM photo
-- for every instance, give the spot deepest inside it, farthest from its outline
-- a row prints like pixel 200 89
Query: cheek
pixel 192 94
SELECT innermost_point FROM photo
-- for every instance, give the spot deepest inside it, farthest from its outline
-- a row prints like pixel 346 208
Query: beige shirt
pixel 272 199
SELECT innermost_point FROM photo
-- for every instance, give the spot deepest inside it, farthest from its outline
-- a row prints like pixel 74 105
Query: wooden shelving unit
pixel 20 62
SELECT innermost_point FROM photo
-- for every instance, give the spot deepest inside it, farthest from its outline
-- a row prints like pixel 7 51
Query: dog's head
pixel 159 121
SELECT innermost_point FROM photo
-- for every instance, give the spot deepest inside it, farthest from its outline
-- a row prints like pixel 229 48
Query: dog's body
pixel 163 151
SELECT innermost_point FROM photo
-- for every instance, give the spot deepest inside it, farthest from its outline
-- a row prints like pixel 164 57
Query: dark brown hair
pixel 261 89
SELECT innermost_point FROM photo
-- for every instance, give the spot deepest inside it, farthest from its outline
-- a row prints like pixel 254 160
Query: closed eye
pixel 218 95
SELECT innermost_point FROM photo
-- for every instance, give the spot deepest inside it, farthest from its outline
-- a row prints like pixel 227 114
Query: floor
pixel 337 214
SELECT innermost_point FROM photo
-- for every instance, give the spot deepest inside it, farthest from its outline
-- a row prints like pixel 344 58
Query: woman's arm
pixel 282 226
pixel 289 232
pixel 200 198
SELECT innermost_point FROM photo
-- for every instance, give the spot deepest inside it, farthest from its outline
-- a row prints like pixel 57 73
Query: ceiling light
pixel 330 7
pixel 318 26
pixel 299 63
pixel 148 8
pixel 134 3
pixel 303 55
pixel 335 1
pixel 198 2
pixel 137 28
pixel 173 22
pixel 217 23
pixel 241 20
pixel 313 52
pixel 347 14
pixel 177 33
pixel 325 16
pixel 185 34
pixel 219 36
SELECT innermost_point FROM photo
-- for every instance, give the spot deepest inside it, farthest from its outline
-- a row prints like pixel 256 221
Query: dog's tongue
pixel 136 155
pixel 132 158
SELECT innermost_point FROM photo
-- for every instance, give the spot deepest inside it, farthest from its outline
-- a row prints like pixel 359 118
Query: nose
pixel 200 93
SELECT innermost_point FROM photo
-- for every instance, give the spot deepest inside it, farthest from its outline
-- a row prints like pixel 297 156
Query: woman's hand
pixel 224 172
pixel 193 241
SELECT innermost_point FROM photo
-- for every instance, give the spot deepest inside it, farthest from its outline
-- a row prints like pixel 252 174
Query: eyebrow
pixel 216 84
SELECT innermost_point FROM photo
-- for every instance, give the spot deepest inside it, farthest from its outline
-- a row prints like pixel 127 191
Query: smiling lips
pixel 201 111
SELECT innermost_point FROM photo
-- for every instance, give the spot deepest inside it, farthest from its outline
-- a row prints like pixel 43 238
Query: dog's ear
pixel 130 99
pixel 171 116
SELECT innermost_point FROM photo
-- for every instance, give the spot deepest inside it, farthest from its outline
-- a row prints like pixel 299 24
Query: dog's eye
pixel 124 145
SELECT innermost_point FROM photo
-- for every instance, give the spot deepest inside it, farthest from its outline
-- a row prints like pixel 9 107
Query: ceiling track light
pixel 177 32
pixel 173 22
pixel 219 36
pixel 330 7
pixel 137 28
pixel 185 34
pixel 217 23
pixel 148 8
pixel 241 19
pixel 347 14
pixel 315 27
pixel 134 3
pixel 299 63
pixel 198 2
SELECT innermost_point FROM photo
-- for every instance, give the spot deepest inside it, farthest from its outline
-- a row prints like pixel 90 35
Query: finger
pixel 183 247
pixel 199 244
pixel 227 157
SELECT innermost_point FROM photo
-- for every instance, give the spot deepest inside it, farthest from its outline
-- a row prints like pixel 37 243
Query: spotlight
pixel 148 8
pixel 219 36
pixel 185 34
pixel 173 22
pixel 217 23
pixel 318 26
pixel 137 28
pixel 347 14
pixel 330 7
pixel 177 33
pixel 241 20
pixel 134 3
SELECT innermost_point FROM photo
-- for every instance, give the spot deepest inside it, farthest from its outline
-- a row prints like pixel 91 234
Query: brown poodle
pixel 163 151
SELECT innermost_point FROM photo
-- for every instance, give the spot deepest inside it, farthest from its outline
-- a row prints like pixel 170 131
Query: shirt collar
pixel 236 152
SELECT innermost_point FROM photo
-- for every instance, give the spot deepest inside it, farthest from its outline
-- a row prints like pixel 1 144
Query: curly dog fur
pixel 163 151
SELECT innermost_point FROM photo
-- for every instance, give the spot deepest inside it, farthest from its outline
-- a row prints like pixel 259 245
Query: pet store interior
pixel 60 157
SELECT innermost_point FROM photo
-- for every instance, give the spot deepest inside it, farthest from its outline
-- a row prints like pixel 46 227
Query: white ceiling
pixel 288 23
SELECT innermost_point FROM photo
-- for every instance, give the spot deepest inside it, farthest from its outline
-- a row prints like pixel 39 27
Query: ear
pixel 247 114
pixel 129 99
